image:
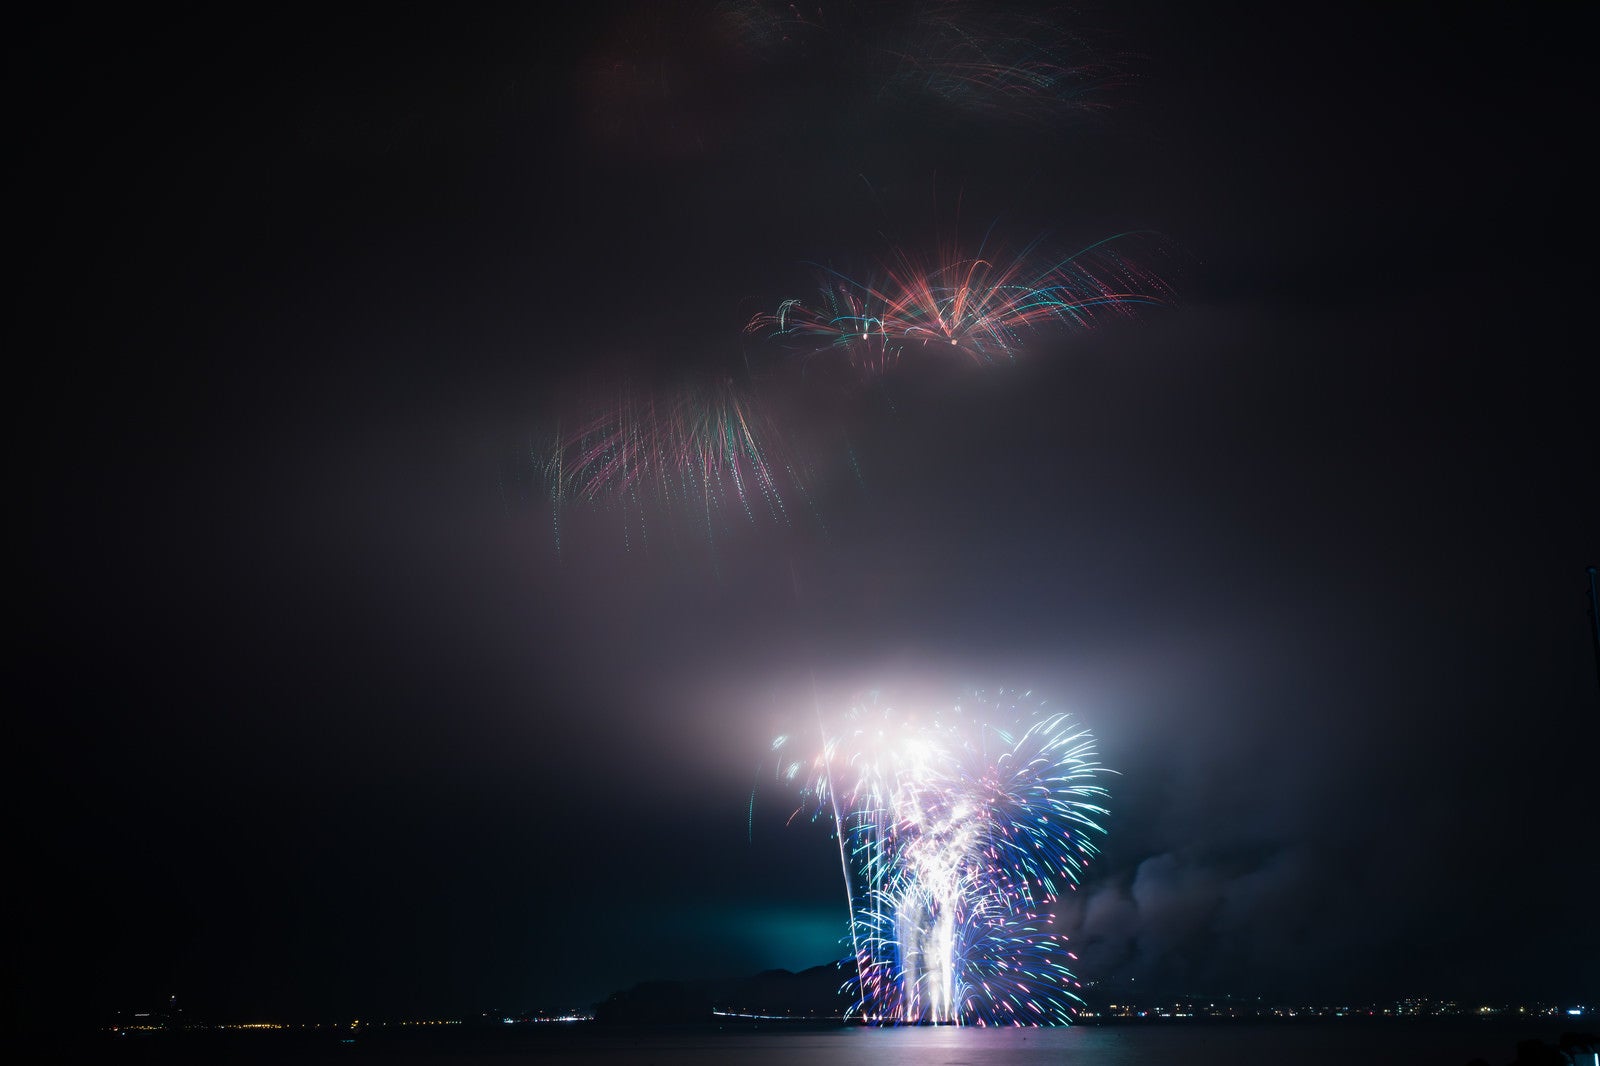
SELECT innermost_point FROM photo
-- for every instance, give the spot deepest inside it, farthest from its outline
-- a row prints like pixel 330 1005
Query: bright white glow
pixel 953 831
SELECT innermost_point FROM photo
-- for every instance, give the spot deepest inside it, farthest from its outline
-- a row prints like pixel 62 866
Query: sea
pixel 1339 1042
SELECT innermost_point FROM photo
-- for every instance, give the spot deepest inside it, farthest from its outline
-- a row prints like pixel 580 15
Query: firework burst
pixel 957 832
pixel 982 308
pixel 703 451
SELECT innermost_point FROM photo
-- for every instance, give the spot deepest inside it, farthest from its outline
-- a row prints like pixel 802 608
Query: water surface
pixel 1454 1042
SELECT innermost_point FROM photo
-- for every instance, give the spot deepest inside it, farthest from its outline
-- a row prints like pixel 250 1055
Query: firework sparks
pixel 703 451
pixel 1001 64
pixel 982 307
pixel 986 60
pixel 957 830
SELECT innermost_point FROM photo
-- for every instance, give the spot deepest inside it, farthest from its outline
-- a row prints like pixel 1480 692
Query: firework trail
pixel 995 63
pixel 958 829
pixel 700 451
pixel 988 60
pixel 771 29
pixel 983 307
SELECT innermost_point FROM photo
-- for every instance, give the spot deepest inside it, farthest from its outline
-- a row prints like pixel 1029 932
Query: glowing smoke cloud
pixel 956 829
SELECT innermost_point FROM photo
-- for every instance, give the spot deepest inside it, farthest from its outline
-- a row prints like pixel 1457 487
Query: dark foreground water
pixel 1320 1043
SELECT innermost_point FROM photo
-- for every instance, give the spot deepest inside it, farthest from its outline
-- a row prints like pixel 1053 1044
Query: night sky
pixel 313 719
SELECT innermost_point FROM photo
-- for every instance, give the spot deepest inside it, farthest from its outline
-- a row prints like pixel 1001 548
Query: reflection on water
pixel 1451 1042
pixel 1303 1044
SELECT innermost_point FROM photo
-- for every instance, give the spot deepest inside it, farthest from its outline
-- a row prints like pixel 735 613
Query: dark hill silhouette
pixel 815 993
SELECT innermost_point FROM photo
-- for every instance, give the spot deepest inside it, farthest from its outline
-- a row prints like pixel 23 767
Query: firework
pixel 957 832
pixel 982 308
pixel 770 29
pixel 998 63
pixel 701 451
